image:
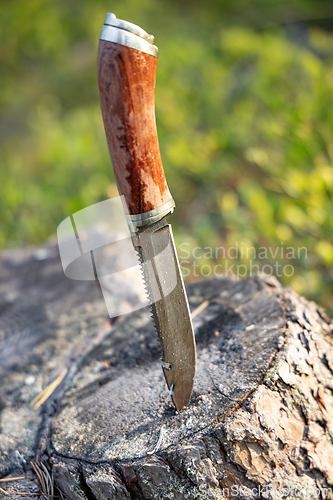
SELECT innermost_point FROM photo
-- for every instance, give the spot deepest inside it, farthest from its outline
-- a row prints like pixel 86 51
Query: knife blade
pixel 127 61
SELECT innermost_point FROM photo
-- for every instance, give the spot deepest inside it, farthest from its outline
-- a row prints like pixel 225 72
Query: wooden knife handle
pixel 126 78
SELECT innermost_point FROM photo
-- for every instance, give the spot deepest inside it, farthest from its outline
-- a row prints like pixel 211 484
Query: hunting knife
pixel 127 61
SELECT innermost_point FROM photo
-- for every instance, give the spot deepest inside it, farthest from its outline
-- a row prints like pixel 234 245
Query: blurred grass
pixel 244 113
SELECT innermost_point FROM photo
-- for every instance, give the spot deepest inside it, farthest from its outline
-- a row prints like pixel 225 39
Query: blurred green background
pixel 244 114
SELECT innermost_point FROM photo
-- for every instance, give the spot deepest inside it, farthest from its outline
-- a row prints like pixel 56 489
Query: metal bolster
pixel 140 221
pixel 111 20
pixel 128 34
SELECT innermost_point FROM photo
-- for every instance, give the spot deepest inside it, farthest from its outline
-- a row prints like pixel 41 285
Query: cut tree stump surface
pixel 260 415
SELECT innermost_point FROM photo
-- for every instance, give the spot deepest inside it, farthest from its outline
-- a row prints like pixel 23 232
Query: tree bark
pixel 259 423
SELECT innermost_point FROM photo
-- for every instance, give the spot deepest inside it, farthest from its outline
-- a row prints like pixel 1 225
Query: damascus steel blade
pixel 170 309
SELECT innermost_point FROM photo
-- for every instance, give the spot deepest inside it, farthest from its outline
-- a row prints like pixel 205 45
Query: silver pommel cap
pixel 128 34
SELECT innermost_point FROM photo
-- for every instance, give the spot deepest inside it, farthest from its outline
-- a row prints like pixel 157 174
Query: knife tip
pixel 180 398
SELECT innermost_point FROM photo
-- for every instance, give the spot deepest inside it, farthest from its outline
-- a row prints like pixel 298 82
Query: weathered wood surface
pixel 260 415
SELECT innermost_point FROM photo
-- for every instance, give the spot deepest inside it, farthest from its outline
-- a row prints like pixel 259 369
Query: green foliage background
pixel 244 113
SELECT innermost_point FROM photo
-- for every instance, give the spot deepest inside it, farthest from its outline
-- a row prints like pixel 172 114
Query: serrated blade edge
pixel 169 307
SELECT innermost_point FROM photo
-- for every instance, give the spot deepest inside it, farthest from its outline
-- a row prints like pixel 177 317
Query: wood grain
pixel 126 79
pixel 261 413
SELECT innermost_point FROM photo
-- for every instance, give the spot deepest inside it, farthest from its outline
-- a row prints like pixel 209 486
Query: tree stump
pixel 259 424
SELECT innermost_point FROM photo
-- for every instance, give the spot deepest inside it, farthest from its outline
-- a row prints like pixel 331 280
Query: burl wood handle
pixel 126 78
